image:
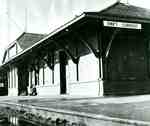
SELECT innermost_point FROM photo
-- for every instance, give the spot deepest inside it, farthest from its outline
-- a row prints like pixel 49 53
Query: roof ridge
pixel 14 41
pixel 35 33
pixel 110 6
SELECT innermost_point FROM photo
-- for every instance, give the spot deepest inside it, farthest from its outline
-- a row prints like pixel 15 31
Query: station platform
pixel 85 111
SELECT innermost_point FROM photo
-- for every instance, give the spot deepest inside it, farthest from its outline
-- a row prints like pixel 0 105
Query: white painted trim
pixel 50 85
pixel 101 88
pixel 82 82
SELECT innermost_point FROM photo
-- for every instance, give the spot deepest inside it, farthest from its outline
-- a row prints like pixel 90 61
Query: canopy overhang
pixel 116 12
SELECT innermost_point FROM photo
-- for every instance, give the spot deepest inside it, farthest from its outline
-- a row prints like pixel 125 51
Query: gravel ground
pixel 134 107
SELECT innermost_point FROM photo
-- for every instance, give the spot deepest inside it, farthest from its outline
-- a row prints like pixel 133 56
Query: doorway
pixel 23 77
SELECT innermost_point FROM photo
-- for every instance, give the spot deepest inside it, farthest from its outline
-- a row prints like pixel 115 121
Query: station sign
pixel 122 25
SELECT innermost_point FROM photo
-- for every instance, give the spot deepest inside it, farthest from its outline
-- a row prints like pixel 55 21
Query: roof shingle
pixel 121 11
pixel 28 39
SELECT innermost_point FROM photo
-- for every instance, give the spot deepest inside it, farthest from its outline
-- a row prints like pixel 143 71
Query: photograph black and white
pixel 74 63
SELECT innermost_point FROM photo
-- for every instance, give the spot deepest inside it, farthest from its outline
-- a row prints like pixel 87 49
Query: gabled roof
pixel 117 11
pixel 121 11
pixel 124 10
pixel 26 40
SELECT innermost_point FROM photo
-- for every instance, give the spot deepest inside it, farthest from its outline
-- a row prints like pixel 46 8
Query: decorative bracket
pixel 110 42
pixel 88 45
pixel 74 59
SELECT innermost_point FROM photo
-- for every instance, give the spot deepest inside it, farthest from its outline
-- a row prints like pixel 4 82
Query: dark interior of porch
pixel 127 64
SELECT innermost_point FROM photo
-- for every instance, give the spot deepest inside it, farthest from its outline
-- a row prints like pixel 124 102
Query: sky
pixel 43 16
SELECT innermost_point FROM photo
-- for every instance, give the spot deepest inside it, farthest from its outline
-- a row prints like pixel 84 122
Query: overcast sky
pixel 42 16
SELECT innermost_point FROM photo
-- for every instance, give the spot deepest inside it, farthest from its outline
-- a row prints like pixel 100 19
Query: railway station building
pixel 95 54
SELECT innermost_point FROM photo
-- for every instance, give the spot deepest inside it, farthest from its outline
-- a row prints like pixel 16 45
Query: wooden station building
pixel 96 54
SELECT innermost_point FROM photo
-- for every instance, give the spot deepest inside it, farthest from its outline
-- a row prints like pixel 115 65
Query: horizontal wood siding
pixel 126 87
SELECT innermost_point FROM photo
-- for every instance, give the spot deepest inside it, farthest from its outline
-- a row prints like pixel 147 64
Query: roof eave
pixel 56 31
pixel 118 18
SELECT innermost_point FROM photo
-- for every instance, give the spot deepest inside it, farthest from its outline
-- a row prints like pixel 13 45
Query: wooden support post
pixel 101 66
pixel 77 71
pixel 50 63
pixel 77 64
pixel 30 82
pixel 62 58
pixel 67 51
pixel 43 68
pixel 53 77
